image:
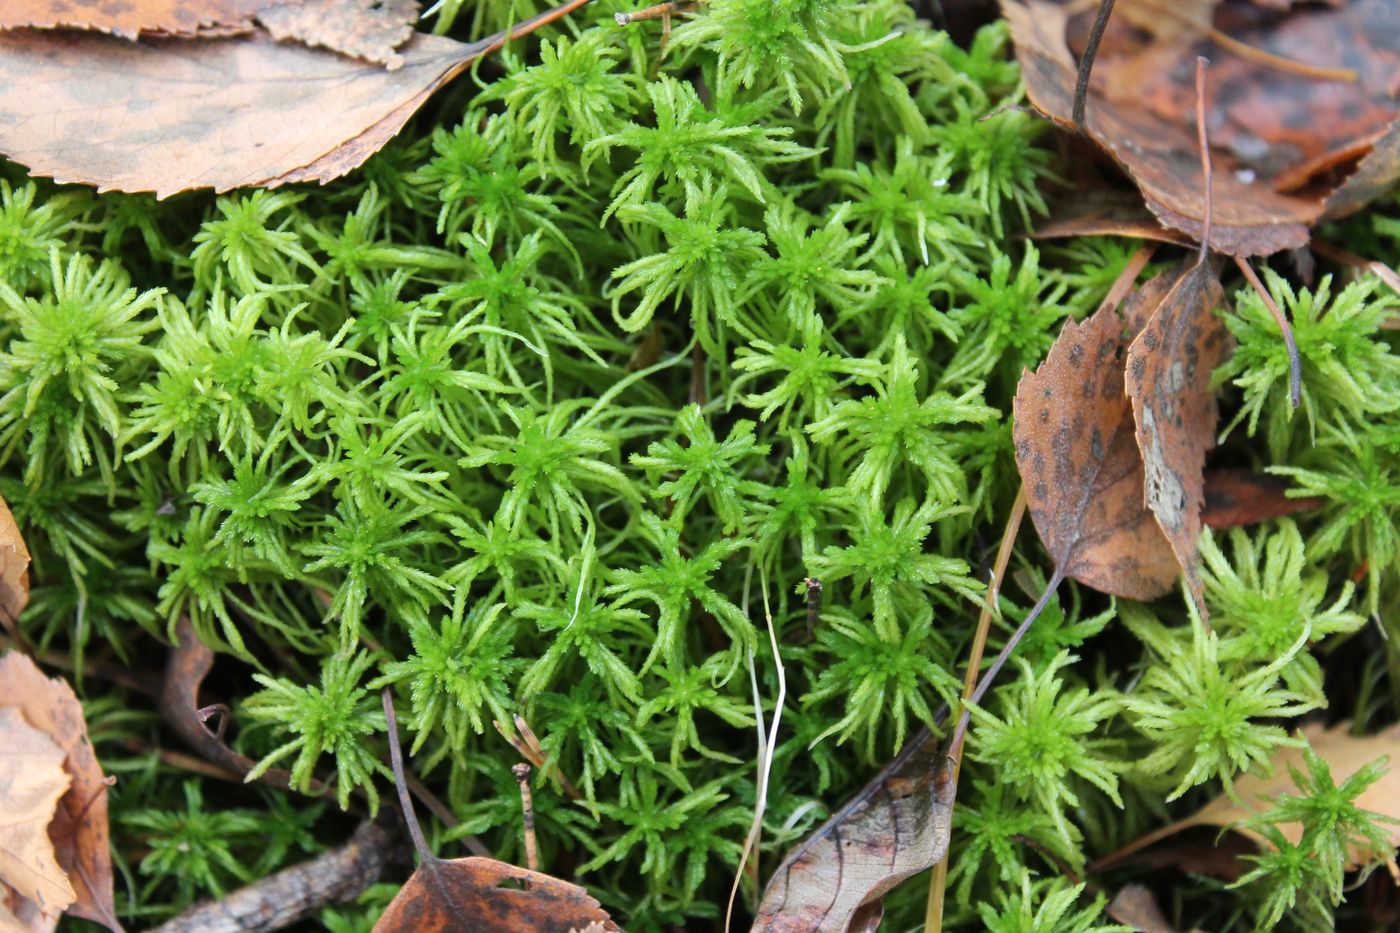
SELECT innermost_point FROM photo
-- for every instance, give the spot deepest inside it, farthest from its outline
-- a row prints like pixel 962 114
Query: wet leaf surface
pixel 897 826
pixel 1079 460
pixel 79 829
pixel 1290 149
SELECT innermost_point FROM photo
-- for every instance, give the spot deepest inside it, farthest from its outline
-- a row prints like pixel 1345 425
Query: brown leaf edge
pixel 835 879
pixel 497 896
pixel 14 571
pixel 1235 497
pixel 79 830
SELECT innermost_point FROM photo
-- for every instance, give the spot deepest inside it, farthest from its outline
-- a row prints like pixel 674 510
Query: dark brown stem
pixel 1086 64
pixel 415 832
pixel 1204 140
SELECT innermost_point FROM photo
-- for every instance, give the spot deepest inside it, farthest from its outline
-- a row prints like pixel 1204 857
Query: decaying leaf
pixel 32 780
pixel 14 570
pixel 1344 753
pixel 170 115
pixel 496 897
pixel 1235 497
pixel 897 826
pixel 1079 461
pixel 1291 149
pixel 79 829
pixel 1135 906
pixel 130 17
pixel 368 29
pixel 1174 410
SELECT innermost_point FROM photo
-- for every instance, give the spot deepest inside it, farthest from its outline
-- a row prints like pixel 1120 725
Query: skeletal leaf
pixel 31 782
pixel 1168 380
pixel 14 570
pixel 79 830
pixel 896 827
pixel 1079 461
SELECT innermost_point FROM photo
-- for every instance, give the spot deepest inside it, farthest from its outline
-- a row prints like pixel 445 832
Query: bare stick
pixel 527 810
pixel 1086 64
pixel 1379 269
pixel 1201 63
pixel 933 917
pixel 1295 363
pixel 337 875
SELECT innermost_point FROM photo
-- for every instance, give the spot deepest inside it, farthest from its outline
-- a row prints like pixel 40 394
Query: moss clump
pixel 531 415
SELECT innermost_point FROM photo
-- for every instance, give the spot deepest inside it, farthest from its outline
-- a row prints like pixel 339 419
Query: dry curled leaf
pixel 1079 461
pixel 31 782
pixel 14 570
pixel 1290 149
pixel 1168 380
pixel 897 826
pixel 1344 753
pixel 79 830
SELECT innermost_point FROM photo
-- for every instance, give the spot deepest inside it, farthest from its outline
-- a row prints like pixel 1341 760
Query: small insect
pixel 814 603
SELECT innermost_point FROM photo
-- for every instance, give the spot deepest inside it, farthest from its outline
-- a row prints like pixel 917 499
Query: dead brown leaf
pixel 1344 753
pixel 79 829
pixel 32 780
pixel 130 17
pixel 368 29
pixel 1135 906
pixel 1291 149
pixel 1235 497
pixel 1079 461
pixel 1168 380
pixel 14 571
pixel 897 826
pixel 168 115
pixel 497 897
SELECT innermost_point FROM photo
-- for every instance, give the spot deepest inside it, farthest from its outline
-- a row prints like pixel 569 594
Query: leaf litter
pixel 78 830
pixel 178 113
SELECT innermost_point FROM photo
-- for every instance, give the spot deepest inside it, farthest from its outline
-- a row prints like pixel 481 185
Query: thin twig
pixel 933 917
pixel 527 815
pixel 1295 363
pixel 1204 140
pixel 415 832
pixel 1086 64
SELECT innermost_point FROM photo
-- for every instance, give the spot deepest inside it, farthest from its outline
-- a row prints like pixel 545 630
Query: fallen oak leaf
pixel 897 826
pixel 14 571
pixel 175 114
pixel 1344 753
pixel 494 896
pixel 33 780
pixel 79 829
